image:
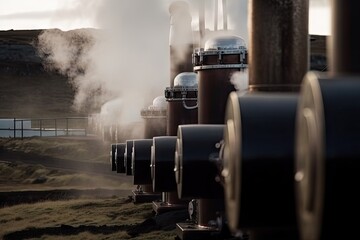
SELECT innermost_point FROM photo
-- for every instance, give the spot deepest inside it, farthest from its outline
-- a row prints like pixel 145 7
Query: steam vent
pixel 182 101
pixel 215 64
pixel 155 118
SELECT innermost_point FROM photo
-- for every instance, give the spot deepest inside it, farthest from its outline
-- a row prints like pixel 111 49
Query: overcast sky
pixel 72 14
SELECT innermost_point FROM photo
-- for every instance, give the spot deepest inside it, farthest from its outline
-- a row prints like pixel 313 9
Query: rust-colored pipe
pixel 344 50
pixel 278 40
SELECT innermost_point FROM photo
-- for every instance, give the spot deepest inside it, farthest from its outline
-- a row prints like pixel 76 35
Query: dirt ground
pixel 45 197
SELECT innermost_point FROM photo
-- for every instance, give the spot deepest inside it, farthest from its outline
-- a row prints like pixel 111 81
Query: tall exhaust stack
pixel 182 107
pixel 180 39
pixel 182 93
pixel 155 125
pixel 198 145
pixel 181 47
pixel 278 41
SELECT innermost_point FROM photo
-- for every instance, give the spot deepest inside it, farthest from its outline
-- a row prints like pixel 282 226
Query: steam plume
pixel 127 59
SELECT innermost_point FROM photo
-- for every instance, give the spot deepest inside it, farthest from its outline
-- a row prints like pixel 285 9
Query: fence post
pixel 40 127
pixel 86 126
pixel 55 128
pixel 67 127
pixel 22 129
pixel 14 127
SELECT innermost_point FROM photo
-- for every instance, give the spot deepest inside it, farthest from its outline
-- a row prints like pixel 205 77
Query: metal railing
pixel 44 127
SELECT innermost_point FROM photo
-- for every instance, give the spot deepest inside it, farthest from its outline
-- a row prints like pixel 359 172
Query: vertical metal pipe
pixel 225 15
pixel 22 129
pixel 181 42
pixel 40 127
pixel 216 15
pixel 180 59
pixel 14 127
pixel 67 126
pixel 87 126
pixel 278 40
pixel 201 22
pixel 344 49
pixel 177 113
pixel 55 127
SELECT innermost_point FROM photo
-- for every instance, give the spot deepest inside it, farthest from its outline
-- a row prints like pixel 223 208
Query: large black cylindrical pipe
pixel 162 164
pixel 327 138
pixel 195 174
pixel 258 166
pixel 327 157
pixel 120 161
pixel 141 159
pixel 259 133
pixel 215 64
pixel 128 156
pixel 278 40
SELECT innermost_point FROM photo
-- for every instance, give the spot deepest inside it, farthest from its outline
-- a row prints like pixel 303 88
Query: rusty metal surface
pixel 155 127
pixel 278 46
pixel 214 89
pixel 178 115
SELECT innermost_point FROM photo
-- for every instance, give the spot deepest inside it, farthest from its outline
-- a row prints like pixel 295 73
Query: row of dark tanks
pixel 274 157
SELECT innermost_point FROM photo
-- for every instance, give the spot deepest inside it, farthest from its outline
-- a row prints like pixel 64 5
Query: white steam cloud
pixel 240 80
pixel 128 59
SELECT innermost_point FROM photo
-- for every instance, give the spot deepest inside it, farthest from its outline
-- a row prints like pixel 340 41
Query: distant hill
pixel 27 90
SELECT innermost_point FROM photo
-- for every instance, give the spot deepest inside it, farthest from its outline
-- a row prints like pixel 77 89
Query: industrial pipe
pixel 215 64
pixel 278 46
pixel 180 39
pixel 127 156
pixel 196 154
pixel 155 118
pixel 259 134
pixel 162 164
pixel 119 153
pixel 258 161
pixel 112 157
pixel 182 101
pixel 327 136
pixel 141 159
